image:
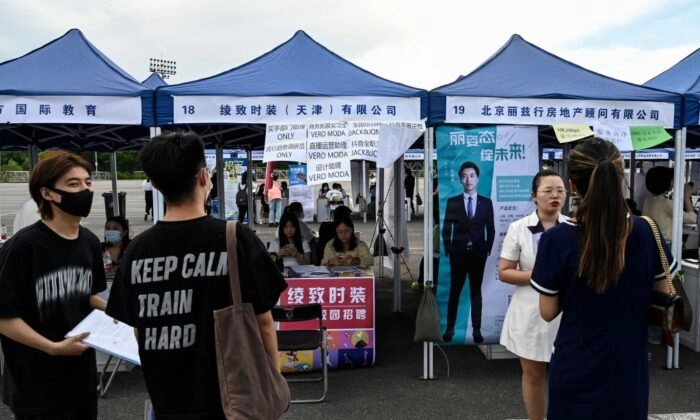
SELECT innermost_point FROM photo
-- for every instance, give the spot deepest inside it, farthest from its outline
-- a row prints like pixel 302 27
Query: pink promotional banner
pixel 348 315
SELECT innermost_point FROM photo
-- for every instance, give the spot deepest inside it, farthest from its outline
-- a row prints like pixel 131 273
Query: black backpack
pixel 241 198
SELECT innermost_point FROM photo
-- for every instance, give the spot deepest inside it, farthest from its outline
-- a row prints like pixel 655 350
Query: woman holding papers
pixel 50 274
pixel 289 248
pixel 345 248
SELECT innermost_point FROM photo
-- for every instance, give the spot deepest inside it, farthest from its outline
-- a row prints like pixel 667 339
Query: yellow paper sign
pixel 571 132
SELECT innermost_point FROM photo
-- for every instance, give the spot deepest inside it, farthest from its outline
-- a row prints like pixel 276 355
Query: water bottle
pixel 3 232
pixel 107 260
pixel 215 207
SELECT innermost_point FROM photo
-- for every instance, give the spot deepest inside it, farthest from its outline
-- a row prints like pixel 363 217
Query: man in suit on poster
pixel 468 233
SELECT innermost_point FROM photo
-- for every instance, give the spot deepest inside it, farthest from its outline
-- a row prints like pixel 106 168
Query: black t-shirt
pixel 47 280
pixel 170 280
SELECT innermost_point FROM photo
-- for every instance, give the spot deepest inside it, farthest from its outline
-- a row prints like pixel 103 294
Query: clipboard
pixel 114 338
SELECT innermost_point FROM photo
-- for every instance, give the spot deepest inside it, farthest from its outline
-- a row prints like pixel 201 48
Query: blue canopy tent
pixel 683 78
pixel 68 94
pixel 154 81
pixel 300 67
pixel 522 70
pixel 299 80
pixel 521 77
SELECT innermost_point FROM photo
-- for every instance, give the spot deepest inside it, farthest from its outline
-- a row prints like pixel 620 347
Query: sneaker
pixel 418 287
pixel 145 217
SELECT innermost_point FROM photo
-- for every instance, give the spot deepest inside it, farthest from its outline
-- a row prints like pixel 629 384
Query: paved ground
pixel 468 386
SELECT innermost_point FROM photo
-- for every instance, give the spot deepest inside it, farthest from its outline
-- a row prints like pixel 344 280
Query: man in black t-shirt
pixel 174 275
pixel 50 274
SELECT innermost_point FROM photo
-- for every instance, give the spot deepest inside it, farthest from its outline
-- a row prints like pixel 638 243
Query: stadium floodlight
pixel 165 68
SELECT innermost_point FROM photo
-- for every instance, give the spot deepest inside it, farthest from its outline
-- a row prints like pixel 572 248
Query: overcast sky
pixel 424 47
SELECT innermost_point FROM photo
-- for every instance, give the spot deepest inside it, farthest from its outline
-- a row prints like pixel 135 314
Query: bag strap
pixel 232 253
pixel 662 253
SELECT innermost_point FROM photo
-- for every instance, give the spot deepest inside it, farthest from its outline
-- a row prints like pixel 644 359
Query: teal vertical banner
pixel 455 146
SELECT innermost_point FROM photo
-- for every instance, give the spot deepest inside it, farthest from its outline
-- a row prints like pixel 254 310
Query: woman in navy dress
pixel 598 270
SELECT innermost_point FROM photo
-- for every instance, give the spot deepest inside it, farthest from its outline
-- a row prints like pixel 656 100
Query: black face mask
pixel 75 203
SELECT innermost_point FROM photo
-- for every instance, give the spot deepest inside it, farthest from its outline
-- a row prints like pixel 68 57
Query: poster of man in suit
pixel 485 176
pixel 468 234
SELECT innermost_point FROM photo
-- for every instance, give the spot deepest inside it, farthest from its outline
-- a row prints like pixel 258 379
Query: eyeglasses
pixel 551 193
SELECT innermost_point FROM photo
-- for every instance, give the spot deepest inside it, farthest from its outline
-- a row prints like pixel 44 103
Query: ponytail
pixel 596 171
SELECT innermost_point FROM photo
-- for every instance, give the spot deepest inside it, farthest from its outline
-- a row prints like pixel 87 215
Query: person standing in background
pixel 524 332
pixel 48 375
pixel 274 198
pixel 148 195
pixel 409 184
pixel 659 181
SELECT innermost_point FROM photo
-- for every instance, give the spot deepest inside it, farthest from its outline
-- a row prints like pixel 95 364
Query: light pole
pixel 165 68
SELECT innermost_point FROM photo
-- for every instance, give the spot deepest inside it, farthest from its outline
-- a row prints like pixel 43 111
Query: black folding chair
pixel 304 339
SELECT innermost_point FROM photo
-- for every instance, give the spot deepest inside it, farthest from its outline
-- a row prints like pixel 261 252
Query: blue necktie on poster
pixel 470 209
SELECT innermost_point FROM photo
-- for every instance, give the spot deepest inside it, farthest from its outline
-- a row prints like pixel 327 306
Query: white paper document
pixel 115 338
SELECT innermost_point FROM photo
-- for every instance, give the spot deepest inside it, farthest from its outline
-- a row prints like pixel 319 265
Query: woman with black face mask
pixel 50 275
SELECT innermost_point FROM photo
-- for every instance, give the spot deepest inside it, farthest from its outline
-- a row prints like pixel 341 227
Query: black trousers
pixel 436 271
pixel 242 211
pixel 462 264
pixel 149 202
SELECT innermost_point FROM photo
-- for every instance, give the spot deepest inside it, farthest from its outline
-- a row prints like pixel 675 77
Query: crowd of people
pixel 571 277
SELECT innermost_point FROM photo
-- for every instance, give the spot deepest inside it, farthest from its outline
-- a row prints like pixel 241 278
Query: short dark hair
pixel 47 172
pixel 658 179
pixel 341 212
pixel 294 207
pixel 172 161
pixel 467 165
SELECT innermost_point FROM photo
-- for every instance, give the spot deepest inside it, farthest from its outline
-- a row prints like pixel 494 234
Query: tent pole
pixel 115 194
pixel 678 196
pixel 379 191
pixel 428 240
pixel 399 223
pixel 633 172
pixel 220 180
pixel 249 187
pixel 364 188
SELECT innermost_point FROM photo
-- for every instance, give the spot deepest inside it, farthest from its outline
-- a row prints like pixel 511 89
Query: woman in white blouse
pixel 524 332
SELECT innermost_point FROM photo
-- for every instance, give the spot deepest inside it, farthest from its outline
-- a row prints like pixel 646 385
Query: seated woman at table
pixel 345 248
pixel 288 248
pixel 116 236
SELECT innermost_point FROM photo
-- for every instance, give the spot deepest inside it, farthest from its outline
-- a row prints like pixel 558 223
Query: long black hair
pixel 296 240
pixel 337 243
pixel 595 168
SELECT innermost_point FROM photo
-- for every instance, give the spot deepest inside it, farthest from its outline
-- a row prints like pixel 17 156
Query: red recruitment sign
pixel 348 302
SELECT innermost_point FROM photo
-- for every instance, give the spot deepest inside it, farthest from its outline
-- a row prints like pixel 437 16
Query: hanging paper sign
pixel 618 135
pixel 285 142
pixel 646 137
pixel 395 139
pixel 571 132
pixel 327 155
pixel 363 137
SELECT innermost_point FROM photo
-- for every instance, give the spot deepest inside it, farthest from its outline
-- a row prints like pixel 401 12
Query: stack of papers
pixel 110 336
